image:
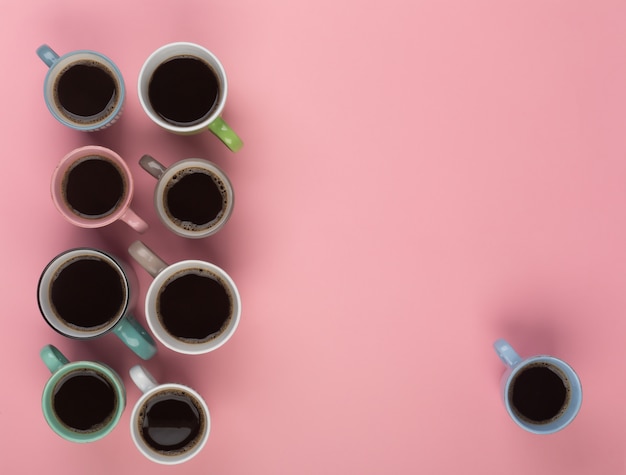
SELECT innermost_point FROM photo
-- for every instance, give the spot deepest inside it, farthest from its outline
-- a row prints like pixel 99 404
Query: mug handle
pixel 227 135
pixel 47 55
pixel 135 337
pixel 142 379
pixel 506 353
pixel 146 258
pixel 152 166
pixel 134 221
pixel 53 358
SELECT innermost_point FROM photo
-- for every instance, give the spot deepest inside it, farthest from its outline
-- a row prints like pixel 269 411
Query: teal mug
pixel 83 400
pixel 83 90
pixel 84 293
pixel 541 393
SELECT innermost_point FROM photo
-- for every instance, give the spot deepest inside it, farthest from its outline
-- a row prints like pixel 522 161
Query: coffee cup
pixel 84 293
pixel 93 187
pixel 191 306
pixel 193 197
pixel 170 423
pixel 541 393
pixel 83 89
pixel 183 88
pixel 83 400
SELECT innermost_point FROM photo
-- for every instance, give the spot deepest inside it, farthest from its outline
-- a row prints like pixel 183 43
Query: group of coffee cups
pixel 191 306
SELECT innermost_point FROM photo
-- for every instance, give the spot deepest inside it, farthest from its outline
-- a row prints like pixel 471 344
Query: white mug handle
pixel 142 379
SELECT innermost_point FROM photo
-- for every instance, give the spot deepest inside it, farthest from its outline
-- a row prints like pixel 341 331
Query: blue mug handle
pixel 47 55
pixel 135 337
pixel 506 353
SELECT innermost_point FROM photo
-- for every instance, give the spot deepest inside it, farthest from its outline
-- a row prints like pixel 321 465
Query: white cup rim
pixel 171 50
pixel 170 341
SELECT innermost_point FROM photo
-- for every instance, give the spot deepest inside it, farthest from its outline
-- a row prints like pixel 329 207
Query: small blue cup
pixel 516 365
pixel 62 94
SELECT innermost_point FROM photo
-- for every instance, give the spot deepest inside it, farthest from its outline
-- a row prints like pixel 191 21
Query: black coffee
pixel 87 293
pixel 183 90
pixel 539 394
pixel 86 91
pixel 171 422
pixel 195 199
pixel 84 400
pixel 93 187
pixel 194 305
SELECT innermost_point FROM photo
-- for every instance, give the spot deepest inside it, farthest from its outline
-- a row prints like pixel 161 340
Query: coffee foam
pixel 111 106
pixel 187 225
pixel 180 393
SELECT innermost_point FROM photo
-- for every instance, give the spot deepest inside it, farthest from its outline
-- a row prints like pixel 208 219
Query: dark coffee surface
pixel 183 90
pixel 538 394
pixel 87 293
pixel 85 90
pixel 194 306
pixel 94 187
pixel 194 198
pixel 84 400
pixel 171 422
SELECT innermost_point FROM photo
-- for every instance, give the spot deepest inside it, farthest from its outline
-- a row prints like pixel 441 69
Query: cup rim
pixel 574 406
pixel 159 190
pixel 170 341
pixel 153 61
pixel 56 183
pixel 62 61
pixel 58 426
pixel 47 275
pixel 153 455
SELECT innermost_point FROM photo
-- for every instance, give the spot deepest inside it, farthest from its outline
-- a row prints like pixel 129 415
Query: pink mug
pixel 92 187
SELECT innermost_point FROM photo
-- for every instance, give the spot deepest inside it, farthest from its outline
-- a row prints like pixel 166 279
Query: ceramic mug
pixel 170 423
pixel 183 88
pixel 192 306
pixel 193 197
pixel 83 400
pixel 83 90
pixel 84 293
pixel 93 187
pixel 542 394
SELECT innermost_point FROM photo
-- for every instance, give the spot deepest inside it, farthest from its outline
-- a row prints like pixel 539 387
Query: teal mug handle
pixel 53 358
pixel 227 135
pixel 47 55
pixel 135 337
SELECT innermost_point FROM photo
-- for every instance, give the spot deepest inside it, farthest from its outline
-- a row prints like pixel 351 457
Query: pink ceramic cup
pixel 92 187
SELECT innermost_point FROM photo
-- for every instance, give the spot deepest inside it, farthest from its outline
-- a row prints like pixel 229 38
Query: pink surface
pixel 418 179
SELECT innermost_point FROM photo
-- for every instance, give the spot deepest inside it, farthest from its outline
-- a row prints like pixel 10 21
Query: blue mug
pixel 83 90
pixel 542 394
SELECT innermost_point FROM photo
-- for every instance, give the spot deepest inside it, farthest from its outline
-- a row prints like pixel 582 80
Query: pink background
pixel 419 178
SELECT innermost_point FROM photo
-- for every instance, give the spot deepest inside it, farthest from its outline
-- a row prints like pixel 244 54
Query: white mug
pixel 192 306
pixel 170 423
pixel 157 91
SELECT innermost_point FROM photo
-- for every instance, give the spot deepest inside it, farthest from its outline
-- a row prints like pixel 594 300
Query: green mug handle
pixel 227 135
pixel 53 358
pixel 135 337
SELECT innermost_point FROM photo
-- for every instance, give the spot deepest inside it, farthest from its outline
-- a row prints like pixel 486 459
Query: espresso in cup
pixel 85 400
pixel 539 393
pixel 86 91
pixel 94 186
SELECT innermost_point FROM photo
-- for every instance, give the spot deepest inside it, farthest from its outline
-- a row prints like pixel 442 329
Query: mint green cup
pixel 96 407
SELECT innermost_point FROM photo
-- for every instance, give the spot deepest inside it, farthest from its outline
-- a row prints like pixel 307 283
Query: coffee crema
pixel 195 306
pixel 171 422
pixel 195 199
pixel 86 92
pixel 94 187
pixel 85 401
pixel 539 393
pixel 183 90
pixel 87 293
